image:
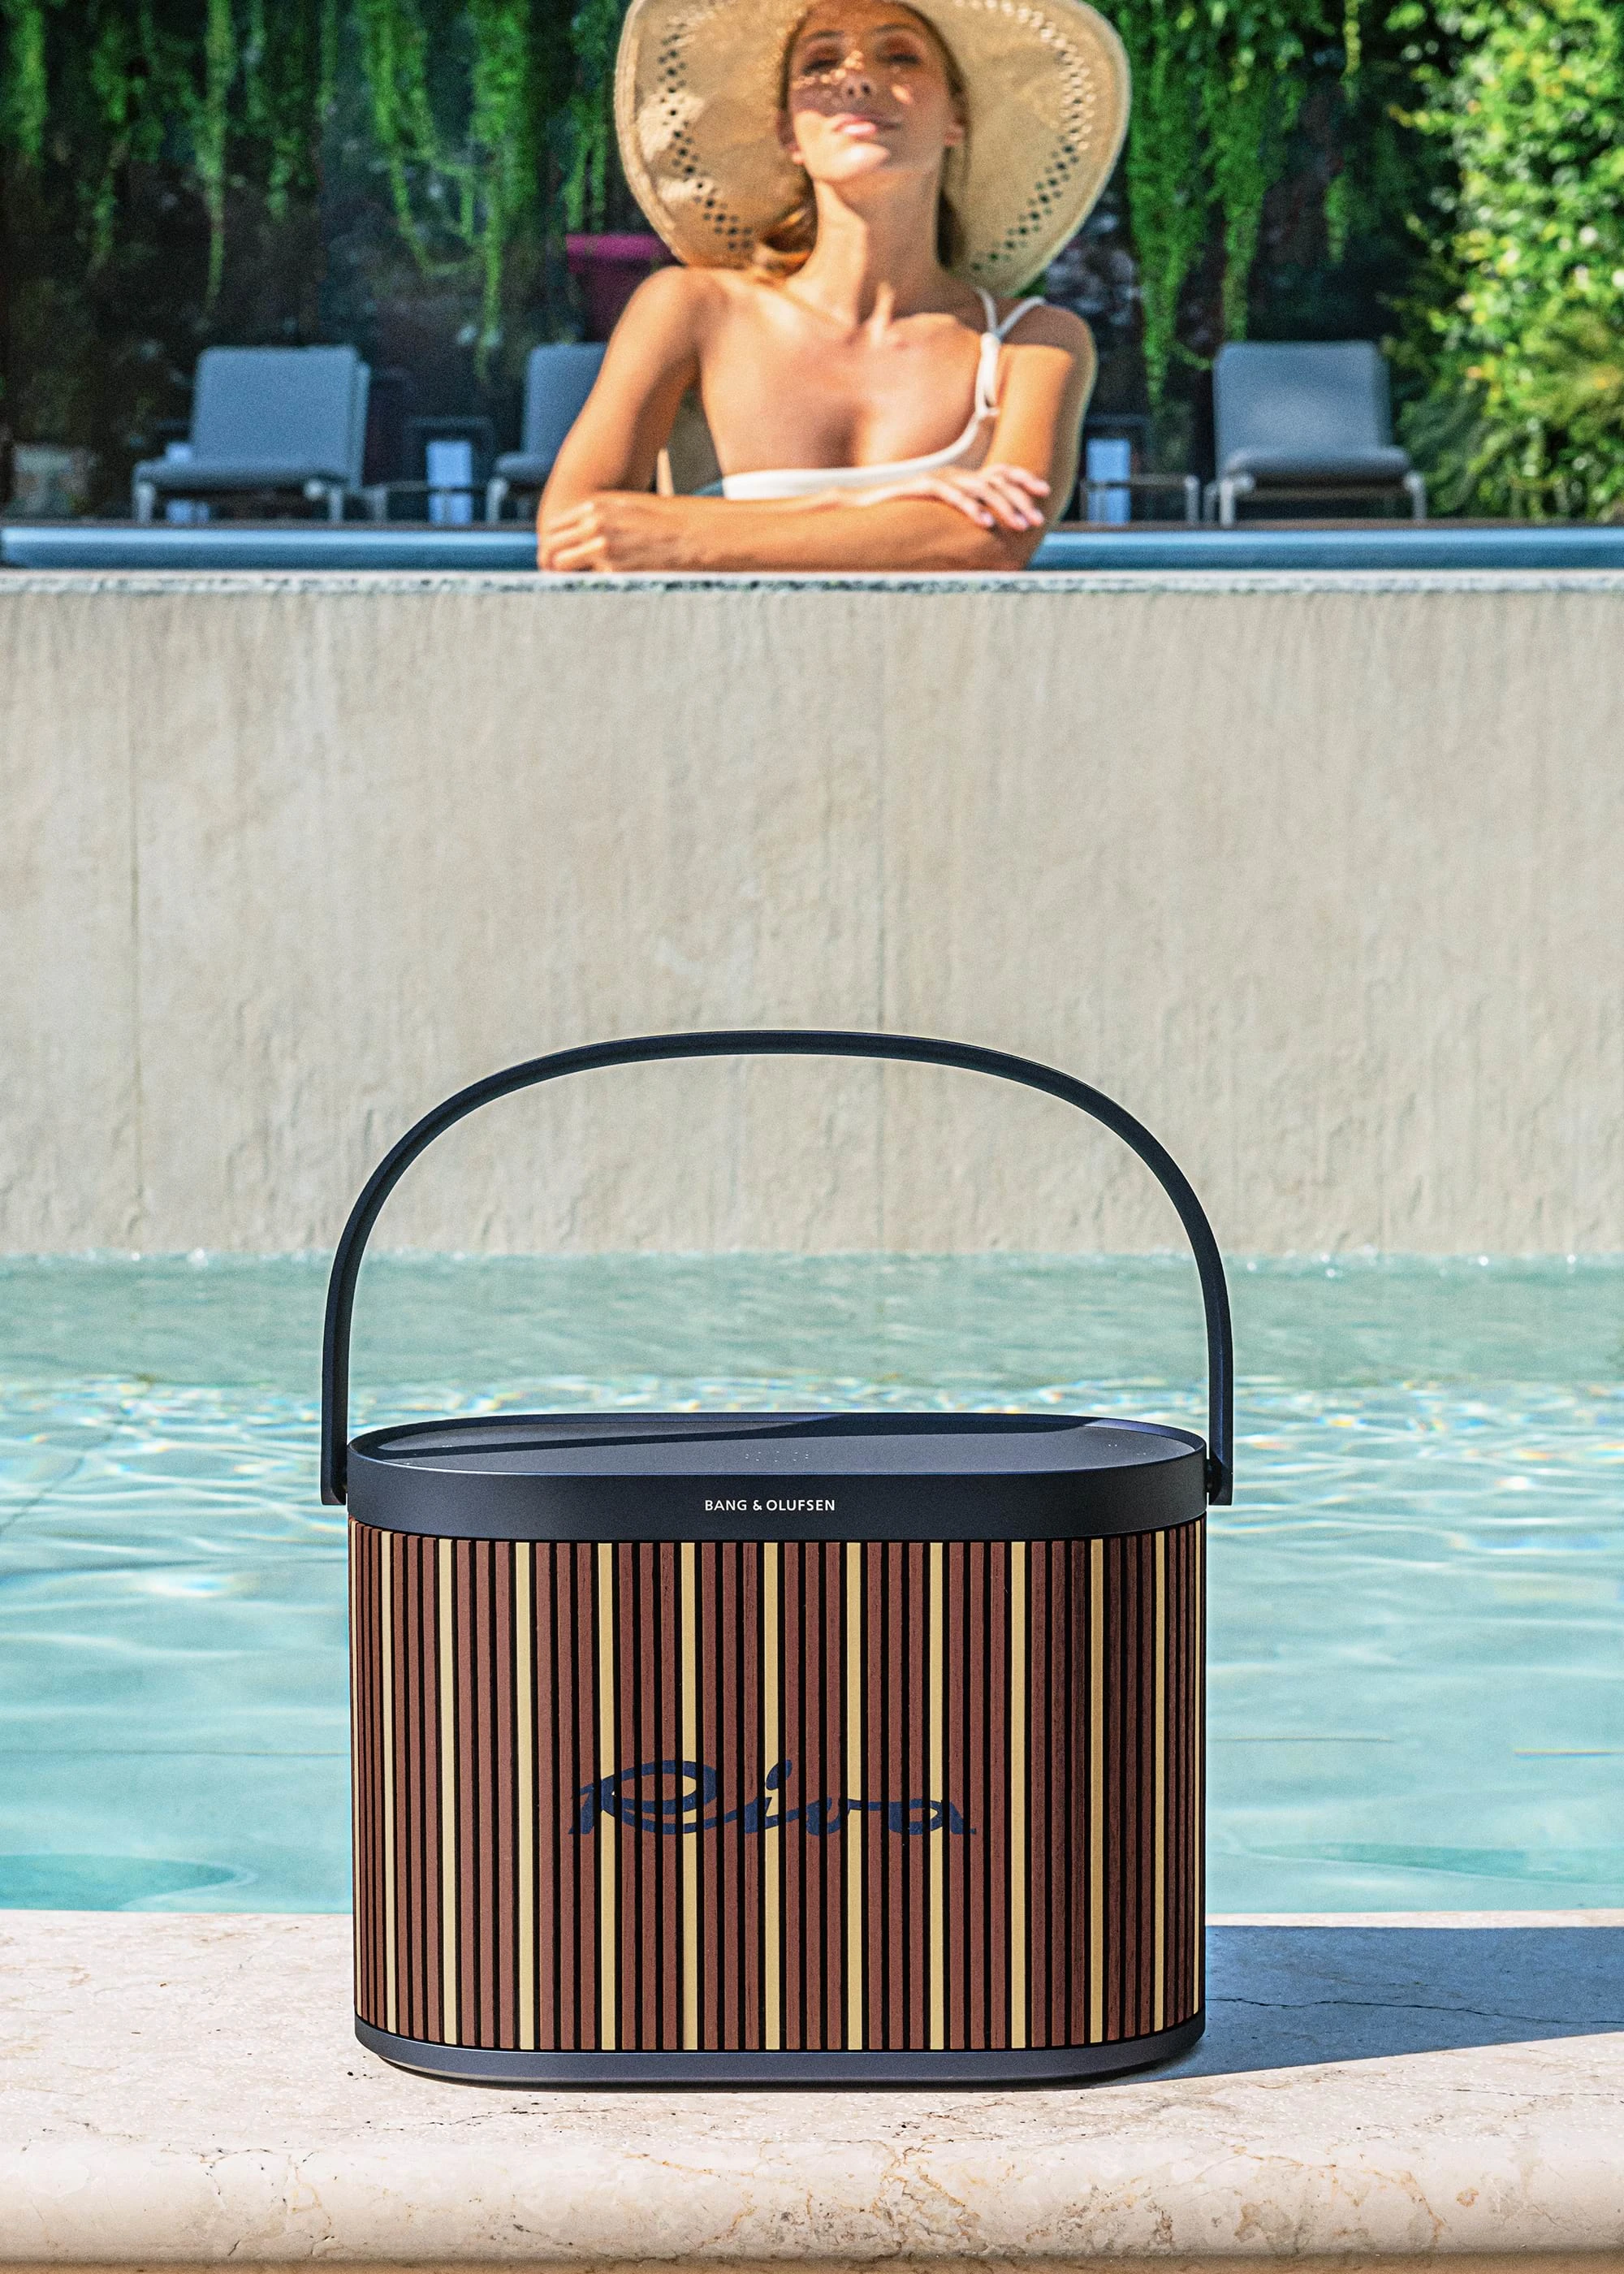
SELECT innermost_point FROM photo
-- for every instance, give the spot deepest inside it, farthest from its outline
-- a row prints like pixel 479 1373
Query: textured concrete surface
pixel 175 2088
pixel 1315 873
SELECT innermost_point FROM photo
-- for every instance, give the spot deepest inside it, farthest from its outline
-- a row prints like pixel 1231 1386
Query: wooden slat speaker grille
pixel 757 1797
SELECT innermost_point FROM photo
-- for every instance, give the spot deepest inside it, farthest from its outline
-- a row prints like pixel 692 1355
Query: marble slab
pixel 188 2089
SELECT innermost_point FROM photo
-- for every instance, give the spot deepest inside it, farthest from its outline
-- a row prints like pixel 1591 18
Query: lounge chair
pixel 557 381
pixel 1305 421
pixel 268 419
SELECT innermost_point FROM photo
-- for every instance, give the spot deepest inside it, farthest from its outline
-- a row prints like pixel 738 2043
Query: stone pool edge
pixel 181 2088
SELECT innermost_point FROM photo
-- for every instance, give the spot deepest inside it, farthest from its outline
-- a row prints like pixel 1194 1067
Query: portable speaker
pixel 745 1748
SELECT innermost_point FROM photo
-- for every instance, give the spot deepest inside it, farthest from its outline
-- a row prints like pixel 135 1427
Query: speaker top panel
pixel 776 1476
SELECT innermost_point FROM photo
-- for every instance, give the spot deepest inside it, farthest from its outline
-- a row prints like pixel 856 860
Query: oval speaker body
pixel 743 1748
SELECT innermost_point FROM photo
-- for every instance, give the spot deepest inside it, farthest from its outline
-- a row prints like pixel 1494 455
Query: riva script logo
pixel 643 1800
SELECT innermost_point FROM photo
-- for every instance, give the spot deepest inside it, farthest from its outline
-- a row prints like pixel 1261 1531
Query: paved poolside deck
pixel 179 2090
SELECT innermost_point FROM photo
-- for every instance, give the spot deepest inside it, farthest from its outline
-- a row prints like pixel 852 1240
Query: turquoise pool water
pixel 1417 1601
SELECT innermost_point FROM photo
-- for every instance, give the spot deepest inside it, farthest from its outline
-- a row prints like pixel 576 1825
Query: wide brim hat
pixel 696 108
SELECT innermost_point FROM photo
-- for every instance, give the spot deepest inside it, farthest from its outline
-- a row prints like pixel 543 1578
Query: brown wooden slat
pixel 830 1844
pixel 753 1770
pixel 426 1845
pixel 997 1813
pixel 711 1949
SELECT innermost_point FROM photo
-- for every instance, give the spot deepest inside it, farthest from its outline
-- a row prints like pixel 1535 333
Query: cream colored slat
pixel 1096 1792
pixel 772 1840
pixel 608 1825
pixel 688 1711
pixel 1018 1793
pixel 524 1748
pixel 448 2019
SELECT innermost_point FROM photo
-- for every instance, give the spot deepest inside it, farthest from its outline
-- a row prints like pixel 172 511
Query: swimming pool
pixel 1417 1683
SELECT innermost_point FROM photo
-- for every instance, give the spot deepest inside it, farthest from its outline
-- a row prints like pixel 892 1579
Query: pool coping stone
pixel 1049 583
pixel 1372 2089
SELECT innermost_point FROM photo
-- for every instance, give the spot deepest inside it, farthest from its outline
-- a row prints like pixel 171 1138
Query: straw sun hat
pixel 696 104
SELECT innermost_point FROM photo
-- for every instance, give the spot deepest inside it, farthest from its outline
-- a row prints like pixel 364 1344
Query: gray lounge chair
pixel 1305 421
pixel 557 381
pixel 268 418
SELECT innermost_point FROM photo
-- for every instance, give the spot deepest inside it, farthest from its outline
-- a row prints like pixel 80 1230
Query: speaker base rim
pixel 1033 2065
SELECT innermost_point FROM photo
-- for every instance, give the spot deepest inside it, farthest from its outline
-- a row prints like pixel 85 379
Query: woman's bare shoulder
pixel 689 298
pixel 1047 327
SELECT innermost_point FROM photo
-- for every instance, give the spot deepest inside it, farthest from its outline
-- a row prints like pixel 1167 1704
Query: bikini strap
pixel 992 339
pixel 1020 309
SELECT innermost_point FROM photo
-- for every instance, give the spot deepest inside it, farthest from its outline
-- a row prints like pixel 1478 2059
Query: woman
pixel 847 183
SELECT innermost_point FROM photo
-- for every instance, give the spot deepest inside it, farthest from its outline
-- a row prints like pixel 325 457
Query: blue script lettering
pixel 672 1797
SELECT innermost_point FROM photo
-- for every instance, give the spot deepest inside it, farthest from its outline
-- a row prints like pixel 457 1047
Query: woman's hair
pixel 784 246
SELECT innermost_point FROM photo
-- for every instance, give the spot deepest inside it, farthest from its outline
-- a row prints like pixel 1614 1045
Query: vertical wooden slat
pixel 409 1643
pixel 629 1841
pixel 1096 1549
pixel 1144 1545
pixel 688 1774
pixel 814 1981
pixel 385 1550
pixel 874 1835
pixel 1159 1802
pixel 915 1854
pixel 753 1778
pixel 667 1748
pixel 1199 1781
pixel 446 1693
pixel 1000 1689
pixel 1113 1702
pixel 1079 1707
pixel 564 1779
pixel 1039 1687
pixel 364 1940
pixel 608 1838
pixel 359 1890
pixel 899 1706
pixel 465 1559
pixel 853 1831
pixel 830 1846
pixel 827 1904
pixel 978 1616
pixel 772 1858
pixel 727 1692
pixel 954 1793
pixel 707 1751
pixel 429 1834
pixel 1016 1788
pixel 1055 1704
pixel 792 1743
pixel 524 1743
pixel 935 1766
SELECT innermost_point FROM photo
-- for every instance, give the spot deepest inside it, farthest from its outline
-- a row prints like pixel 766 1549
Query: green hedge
pixel 1522 336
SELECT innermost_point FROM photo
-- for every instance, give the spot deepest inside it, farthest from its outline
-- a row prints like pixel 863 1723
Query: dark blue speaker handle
pixel 772 1042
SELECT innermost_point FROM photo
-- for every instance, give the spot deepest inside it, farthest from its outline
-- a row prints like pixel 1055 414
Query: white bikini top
pixel 801 481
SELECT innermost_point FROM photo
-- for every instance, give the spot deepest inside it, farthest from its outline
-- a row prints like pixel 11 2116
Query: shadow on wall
pixel 1284 1997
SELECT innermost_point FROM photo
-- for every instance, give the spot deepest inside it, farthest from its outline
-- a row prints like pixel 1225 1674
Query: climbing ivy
pixel 595 33
pixel 1167 191
pixel 1218 85
pixel 24 93
pixel 461 97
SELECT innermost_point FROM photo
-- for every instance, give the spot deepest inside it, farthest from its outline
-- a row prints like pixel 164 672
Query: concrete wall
pixel 1319 876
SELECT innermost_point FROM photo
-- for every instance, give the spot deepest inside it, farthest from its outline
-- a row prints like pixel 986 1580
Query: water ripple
pixel 1416 1689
